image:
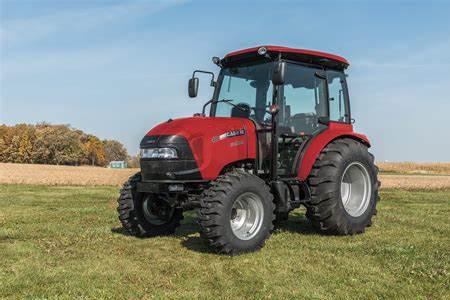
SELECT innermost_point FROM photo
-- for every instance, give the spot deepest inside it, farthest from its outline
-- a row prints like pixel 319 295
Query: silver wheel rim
pixel 356 189
pixel 150 216
pixel 247 216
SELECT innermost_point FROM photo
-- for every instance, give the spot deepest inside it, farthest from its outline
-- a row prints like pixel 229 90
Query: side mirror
pixel 278 73
pixel 193 87
pixel 323 120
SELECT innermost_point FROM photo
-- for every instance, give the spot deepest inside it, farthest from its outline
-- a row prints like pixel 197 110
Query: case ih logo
pixel 229 134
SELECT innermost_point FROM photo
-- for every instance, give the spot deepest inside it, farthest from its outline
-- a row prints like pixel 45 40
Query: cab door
pixel 302 100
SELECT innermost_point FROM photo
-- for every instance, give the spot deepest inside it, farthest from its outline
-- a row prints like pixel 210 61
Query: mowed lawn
pixel 66 242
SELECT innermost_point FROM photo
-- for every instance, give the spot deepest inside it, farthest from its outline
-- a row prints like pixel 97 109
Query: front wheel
pixel 236 213
pixel 344 188
pixel 143 214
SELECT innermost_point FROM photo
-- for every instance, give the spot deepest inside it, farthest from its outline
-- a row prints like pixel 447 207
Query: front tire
pixel 146 215
pixel 344 188
pixel 237 213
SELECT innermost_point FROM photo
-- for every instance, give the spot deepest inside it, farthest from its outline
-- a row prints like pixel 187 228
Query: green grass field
pixel 66 242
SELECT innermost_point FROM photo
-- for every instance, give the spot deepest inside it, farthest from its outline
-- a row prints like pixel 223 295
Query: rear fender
pixel 317 143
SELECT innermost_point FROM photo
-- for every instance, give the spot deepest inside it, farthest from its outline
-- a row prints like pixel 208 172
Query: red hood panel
pixel 215 141
pixel 194 126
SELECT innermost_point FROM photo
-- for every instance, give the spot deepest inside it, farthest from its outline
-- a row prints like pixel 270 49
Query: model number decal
pixel 236 143
pixel 228 134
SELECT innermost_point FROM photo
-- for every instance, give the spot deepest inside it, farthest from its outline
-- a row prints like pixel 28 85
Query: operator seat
pixel 303 122
pixel 242 110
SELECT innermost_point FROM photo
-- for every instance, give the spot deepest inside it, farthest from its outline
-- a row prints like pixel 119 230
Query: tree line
pixel 57 145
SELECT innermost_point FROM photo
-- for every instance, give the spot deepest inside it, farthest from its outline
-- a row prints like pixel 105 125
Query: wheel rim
pixel 356 189
pixel 247 216
pixel 156 213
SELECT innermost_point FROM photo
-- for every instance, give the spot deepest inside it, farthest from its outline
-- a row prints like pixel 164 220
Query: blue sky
pixel 116 68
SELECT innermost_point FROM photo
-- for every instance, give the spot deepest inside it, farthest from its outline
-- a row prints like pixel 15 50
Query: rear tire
pixel 344 188
pixel 144 215
pixel 237 213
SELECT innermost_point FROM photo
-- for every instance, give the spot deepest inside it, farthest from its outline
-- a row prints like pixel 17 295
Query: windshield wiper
pixel 228 101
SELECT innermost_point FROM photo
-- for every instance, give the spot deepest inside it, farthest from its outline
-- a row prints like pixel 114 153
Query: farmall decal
pixel 229 134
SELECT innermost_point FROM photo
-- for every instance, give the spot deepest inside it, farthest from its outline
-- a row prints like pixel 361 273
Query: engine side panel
pixel 215 142
pixel 312 151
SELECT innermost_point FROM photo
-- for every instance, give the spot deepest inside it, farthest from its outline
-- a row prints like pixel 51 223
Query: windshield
pixel 247 87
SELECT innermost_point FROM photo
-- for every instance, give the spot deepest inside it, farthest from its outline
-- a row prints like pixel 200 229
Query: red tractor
pixel 278 135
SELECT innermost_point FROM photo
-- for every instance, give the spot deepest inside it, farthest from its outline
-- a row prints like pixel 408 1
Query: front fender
pixel 317 143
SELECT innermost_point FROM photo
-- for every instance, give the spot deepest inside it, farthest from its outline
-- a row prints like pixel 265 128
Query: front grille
pixel 183 168
pixel 160 169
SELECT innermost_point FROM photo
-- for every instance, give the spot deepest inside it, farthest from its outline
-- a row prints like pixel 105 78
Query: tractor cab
pixel 290 94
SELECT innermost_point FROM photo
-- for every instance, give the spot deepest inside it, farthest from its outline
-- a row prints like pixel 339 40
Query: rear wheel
pixel 236 213
pixel 143 214
pixel 344 188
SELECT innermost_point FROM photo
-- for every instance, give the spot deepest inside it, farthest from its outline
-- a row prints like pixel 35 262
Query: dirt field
pixel 62 175
pixel 415 168
pixel 415 181
pixel 66 175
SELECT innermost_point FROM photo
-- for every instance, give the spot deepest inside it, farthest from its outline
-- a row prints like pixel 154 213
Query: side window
pixel 338 96
pixel 303 102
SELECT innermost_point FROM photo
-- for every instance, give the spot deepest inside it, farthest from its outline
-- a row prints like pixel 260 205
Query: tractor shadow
pixel 120 230
pixel 297 223
pixel 188 226
pixel 188 232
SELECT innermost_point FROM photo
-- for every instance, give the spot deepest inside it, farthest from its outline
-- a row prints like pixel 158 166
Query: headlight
pixel 159 153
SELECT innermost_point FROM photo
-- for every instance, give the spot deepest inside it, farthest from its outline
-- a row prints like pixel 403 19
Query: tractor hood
pixel 213 141
pixel 200 127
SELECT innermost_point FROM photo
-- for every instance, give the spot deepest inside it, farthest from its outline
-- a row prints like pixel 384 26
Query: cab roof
pixel 295 54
